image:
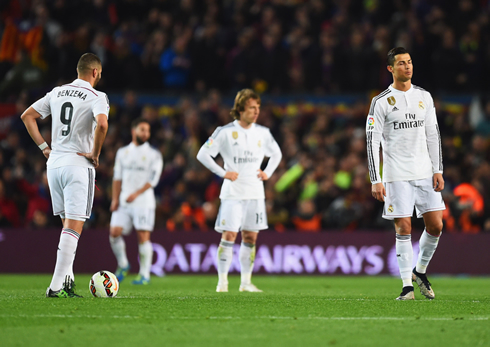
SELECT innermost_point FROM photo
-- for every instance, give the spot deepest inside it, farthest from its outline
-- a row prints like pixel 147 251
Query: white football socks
pixel 146 256
pixel 404 256
pixel 224 255
pixel 67 248
pixel 119 248
pixel 427 247
pixel 247 258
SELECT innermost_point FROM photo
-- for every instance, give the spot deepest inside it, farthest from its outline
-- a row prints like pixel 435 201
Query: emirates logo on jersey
pixel 421 105
pixel 391 100
pixel 234 135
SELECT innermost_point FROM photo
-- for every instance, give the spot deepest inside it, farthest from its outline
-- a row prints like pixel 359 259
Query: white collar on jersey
pixel 400 91
pixel 82 83
pixel 235 122
pixel 146 144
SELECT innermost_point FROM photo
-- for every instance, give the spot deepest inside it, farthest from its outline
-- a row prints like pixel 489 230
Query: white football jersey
pixel 73 108
pixel 243 151
pixel 135 166
pixel 405 124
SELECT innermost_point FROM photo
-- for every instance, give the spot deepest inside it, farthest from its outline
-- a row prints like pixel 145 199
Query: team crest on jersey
pixel 421 105
pixel 390 209
pixel 209 142
pixel 391 100
pixel 144 158
pixel 234 135
pixel 223 222
pixel 259 144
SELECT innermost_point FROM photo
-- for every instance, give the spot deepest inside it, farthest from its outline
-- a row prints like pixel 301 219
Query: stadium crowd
pixel 202 51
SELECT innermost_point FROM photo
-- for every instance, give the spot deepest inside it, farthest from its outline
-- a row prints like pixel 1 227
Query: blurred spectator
pixel 470 206
pixel 307 219
pixel 175 64
pixel 9 214
pixel 23 75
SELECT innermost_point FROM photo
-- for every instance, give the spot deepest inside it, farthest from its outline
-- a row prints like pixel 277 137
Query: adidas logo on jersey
pixel 394 109
pixel 235 144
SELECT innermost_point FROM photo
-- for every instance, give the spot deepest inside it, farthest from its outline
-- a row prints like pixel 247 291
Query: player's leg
pixel 225 257
pixel 72 193
pixel 429 239
pixel 63 279
pixel 247 260
pixel 228 224
pixel 404 255
pixel 144 222
pixel 120 225
pixel 145 250
pixel 399 205
pixel 429 205
pixel 255 219
pixel 427 246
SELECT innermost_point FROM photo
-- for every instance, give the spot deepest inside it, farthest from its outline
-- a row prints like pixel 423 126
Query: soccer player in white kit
pixel 79 116
pixel 137 171
pixel 243 144
pixel 403 120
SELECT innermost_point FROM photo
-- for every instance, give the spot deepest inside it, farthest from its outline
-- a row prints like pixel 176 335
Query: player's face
pixel 251 112
pixel 141 133
pixel 402 69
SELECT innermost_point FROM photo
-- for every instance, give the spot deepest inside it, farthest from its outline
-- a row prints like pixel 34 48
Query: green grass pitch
pixel 183 310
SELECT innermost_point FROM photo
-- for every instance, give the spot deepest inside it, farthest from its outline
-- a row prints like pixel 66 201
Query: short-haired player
pixel 137 171
pixel 79 116
pixel 403 120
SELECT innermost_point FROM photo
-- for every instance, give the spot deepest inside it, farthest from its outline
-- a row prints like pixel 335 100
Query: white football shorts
pixel 237 215
pixel 128 216
pixel 402 197
pixel 72 191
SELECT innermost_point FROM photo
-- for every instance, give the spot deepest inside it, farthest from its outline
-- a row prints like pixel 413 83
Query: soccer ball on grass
pixel 104 284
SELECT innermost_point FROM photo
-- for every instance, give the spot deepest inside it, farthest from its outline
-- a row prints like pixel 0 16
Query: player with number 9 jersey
pixel 79 116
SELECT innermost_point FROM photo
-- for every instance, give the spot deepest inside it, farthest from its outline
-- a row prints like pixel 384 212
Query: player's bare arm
pixel 378 191
pixel 116 191
pixel 231 175
pixel 262 175
pixel 29 117
pixel 137 193
pixel 99 137
pixel 438 182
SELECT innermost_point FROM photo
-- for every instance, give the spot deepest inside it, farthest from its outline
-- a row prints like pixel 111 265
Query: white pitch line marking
pixel 481 318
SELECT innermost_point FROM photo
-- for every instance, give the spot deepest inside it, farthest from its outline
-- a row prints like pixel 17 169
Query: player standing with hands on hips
pixel 79 115
pixel 403 120
pixel 136 172
pixel 243 144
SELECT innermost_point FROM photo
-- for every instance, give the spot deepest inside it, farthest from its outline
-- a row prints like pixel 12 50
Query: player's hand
pixel 231 175
pixel 262 175
pixel 438 182
pixel 47 152
pixel 114 205
pixel 378 191
pixel 132 197
pixel 91 158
